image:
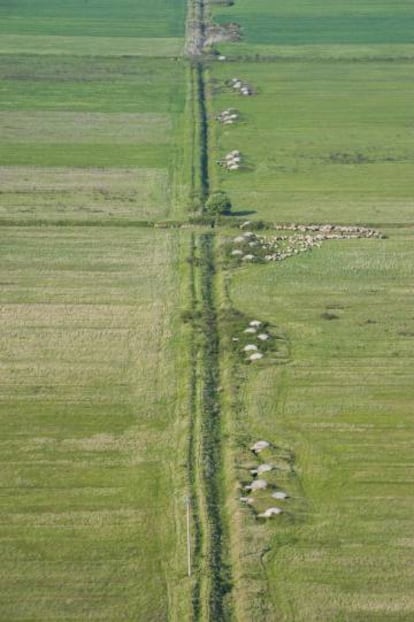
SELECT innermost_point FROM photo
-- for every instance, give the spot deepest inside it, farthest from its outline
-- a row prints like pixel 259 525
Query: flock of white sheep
pixel 260 483
pixel 249 246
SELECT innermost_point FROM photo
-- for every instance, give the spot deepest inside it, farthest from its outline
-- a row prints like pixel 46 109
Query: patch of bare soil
pixel 217 33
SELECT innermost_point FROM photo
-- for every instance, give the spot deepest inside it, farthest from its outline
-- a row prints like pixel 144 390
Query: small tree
pixel 218 204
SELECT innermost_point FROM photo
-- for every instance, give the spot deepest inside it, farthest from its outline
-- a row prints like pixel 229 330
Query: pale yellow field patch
pixel 84 127
pixel 91 46
pixel 75 193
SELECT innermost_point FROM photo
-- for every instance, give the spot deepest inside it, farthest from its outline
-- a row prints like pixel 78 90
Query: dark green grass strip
pixel 81 155
pixel 219 571
pixel 203 132
pixel 192 444
pixel 123 18
pixel 268 28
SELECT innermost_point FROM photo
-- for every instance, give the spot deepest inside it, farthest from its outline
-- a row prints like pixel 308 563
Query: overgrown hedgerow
pixel 211 433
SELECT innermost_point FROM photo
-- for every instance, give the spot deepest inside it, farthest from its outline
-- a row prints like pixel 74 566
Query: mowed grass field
pixel 341 409
pixel 94 18
pixel 93 28
pixel 92 356
pixel 321 141
pixel 93 367
pixel 90 138
pixel 325 138
pixel 357 22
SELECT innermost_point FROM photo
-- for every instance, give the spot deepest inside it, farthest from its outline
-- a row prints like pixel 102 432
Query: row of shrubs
pixel 211 432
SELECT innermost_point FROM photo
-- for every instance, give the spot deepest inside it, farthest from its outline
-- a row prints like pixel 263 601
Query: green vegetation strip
pixel 211 437
pixel 90 46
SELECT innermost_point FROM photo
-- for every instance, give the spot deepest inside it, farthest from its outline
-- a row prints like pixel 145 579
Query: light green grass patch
pixel 61 112
pixel 342 407
pixel 101 18
pixel 332 52
pixel 93 84
pixel 90 46
pixel 89 399
pixel 320 22
pixel 85 155
pixel 320 141
pixel 84 127
pixel 83 194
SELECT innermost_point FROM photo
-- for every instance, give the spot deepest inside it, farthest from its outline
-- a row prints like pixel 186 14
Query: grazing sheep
pixel 270 512
pixel 248 500
pixel 256 356
pixel 259 446
pixel 258 484
pixel 303 239
pixel 250 348
pixel 262 468
pixel 280 495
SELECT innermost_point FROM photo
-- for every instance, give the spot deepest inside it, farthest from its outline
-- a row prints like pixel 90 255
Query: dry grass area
pixel 91 361
pixel 33 193
pixel 84 127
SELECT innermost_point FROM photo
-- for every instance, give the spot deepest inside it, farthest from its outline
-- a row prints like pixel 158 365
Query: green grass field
pixel 77 18
pixel 90 46
pixel 321 141
pixel 93 354
pixel 342 409
pixel 324 138
pixel 92 359
pixel 66 123
pixel 92 28
pixel 123 389
pixel 322 23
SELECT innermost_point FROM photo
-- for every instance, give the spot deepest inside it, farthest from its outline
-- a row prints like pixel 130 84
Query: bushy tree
pixel 218 204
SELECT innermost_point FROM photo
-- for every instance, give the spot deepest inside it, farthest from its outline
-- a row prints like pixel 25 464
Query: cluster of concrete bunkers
pixel 249 246
pixel 259 483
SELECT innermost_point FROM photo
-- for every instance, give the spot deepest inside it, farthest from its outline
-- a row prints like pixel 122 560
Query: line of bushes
pixel 219 571
pixel 192 443
pixel 203 121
